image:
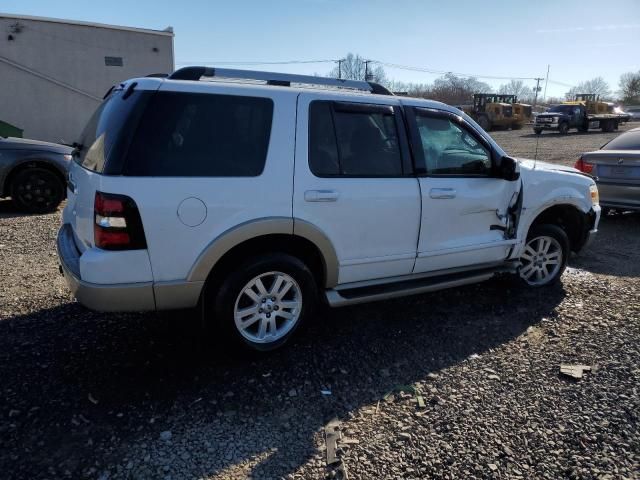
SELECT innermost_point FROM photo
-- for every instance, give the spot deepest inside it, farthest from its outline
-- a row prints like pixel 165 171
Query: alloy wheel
pixel 268 307
pixel 541 260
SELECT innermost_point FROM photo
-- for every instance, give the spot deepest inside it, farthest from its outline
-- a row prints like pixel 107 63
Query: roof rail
pixel 274 78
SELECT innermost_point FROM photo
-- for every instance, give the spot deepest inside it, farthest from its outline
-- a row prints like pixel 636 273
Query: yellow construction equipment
pixel 497 110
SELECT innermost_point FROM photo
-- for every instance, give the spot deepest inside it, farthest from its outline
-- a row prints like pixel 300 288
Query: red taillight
pixel 117 224
pixel 583 166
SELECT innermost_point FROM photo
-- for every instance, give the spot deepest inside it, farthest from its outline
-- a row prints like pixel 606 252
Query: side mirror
pixel 508 169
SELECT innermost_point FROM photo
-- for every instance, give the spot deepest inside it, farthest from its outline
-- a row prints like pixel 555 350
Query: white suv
pixel 256 196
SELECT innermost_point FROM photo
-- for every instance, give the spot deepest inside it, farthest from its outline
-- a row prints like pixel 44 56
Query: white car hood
pixel 538 165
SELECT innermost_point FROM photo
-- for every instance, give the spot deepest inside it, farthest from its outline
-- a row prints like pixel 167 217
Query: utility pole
pixel 535 100
pixel 339 62
pixel 366 70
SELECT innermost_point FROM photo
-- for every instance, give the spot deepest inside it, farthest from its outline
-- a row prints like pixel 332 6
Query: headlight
pixel 555 120
pixel 595 196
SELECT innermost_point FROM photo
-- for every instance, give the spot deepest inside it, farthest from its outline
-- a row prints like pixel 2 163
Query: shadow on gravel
pixel 83 390
pixel 616 248
pixel 8 210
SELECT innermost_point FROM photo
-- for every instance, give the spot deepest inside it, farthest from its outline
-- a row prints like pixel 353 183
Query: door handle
pixel 442 193
pixel 321 196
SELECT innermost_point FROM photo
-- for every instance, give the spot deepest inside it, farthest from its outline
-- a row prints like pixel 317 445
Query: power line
pixel 256 63
pixel 444 72
pixel 385 64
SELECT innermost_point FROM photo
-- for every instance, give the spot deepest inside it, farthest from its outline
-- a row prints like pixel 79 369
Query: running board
pixel 353 296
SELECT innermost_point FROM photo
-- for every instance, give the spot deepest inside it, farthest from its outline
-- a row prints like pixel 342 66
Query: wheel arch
pixel 275 234
pixel 571 218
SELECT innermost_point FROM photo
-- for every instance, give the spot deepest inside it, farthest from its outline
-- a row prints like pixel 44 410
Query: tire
pixel 484 122
pixel 608 126
pixel 263 316
pixel 516 126
pixel 36 190
pixel 605 211
pixel 545 256
pixel 563 128
pixel 537 131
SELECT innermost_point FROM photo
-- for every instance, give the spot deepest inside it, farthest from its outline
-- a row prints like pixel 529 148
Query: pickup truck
pixel 562 118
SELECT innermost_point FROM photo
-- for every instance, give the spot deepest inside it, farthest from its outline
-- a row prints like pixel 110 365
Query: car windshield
pixel 560 109
pixel 626 141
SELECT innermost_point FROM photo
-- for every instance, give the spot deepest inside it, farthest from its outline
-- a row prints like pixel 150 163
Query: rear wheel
pixel 608 126
pixel 263 302
pixel 516 126
pixel 36 190
pixel 545 256
pixel 537 131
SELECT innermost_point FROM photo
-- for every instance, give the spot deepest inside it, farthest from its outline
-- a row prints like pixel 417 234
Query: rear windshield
pixel 108 132
pixel 192 134
pixel 626 141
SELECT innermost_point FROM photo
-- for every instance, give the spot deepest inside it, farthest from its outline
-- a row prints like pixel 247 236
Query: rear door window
pixel 353 140
pixel 201 135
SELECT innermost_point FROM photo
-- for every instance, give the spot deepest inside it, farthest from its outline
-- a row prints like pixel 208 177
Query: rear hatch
pixel 99 153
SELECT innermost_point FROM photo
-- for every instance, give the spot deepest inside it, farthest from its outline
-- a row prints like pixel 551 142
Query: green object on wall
pixel 8 130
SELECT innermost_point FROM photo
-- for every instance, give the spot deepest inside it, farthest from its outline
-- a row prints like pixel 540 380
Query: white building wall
pixel 53 74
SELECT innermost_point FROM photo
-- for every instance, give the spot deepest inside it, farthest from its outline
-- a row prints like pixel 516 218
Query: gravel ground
pixel 137 396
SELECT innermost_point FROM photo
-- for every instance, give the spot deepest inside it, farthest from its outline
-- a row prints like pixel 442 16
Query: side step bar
pixel 353 296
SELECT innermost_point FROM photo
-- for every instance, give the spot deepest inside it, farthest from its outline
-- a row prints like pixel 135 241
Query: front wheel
pixel 263 302
pixel 563 128
pixel 537 131
pixel 484 122
pixel 545 256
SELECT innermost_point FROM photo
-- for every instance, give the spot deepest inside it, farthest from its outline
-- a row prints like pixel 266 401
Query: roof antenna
pixel 535 156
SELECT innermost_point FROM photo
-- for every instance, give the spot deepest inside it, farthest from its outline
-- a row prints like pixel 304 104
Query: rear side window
pixel 353 140
pixel 201 135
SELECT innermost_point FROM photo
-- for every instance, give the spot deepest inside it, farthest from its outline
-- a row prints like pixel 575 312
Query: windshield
pixel 560 109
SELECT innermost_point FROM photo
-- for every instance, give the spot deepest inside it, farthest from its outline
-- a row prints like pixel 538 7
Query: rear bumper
pixel 119 297
pixel 104 298
pixel 616 195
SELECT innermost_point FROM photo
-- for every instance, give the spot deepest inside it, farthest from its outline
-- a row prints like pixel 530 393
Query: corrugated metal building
pixel 53 73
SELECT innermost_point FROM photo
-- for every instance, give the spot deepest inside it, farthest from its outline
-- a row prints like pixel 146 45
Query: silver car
pixel 616 167
pixel 33 173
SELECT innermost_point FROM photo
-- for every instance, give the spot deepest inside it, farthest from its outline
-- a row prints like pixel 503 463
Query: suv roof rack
pixel 274 78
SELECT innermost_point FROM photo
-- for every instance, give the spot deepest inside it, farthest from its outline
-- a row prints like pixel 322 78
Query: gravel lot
pixel 105 396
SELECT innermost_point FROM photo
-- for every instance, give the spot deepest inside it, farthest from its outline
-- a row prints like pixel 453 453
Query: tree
pixel 519 89
pixel 353 67
pixel 596 85
pixel 630 87
pixel 456 90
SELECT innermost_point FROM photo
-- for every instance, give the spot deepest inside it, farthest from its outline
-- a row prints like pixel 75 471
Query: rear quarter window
pixel 201 135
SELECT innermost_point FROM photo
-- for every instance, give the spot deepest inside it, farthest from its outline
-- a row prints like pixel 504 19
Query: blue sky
pixel 579 39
